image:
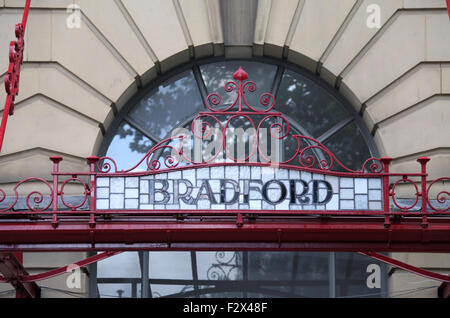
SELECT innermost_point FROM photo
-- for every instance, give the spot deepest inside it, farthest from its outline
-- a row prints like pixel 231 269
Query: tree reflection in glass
pixel 349 147
pixel 162 110
pixel 308 104
pixel 128 147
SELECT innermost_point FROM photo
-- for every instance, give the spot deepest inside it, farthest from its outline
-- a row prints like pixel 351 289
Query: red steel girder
pixel 320 234
pixel 13 272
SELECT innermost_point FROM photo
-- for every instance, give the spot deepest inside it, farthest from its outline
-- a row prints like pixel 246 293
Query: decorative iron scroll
pixel 170 157
pixel 257 118
pixel 226 267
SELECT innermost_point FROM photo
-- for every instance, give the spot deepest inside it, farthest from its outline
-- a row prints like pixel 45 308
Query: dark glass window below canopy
pixel 239 274
pixel 160 111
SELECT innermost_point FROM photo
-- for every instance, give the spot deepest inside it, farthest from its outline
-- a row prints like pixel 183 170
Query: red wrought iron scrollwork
pixel 12 77
pixel 33 198
pixel 405 180
pixel 441 197
pixel 107 164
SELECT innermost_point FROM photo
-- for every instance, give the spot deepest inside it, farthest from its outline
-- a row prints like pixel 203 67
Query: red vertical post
pixel 93 189
pixel 26 10
pixel 386 205
pixel 19 257
pixel 448 7
pixel 56 160
pixel 423 164
pixel 240 75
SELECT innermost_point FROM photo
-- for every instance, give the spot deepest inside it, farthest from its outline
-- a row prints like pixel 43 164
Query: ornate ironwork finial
pixel 241 86
pixel 240 74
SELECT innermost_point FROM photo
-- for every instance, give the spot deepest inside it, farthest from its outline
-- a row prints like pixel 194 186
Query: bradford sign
pixel 239 187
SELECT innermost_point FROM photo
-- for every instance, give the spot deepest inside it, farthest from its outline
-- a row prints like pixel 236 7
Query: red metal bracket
pixel 14 273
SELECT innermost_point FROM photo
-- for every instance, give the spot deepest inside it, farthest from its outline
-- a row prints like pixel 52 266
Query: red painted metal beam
pixel 13 272
pixel 345 234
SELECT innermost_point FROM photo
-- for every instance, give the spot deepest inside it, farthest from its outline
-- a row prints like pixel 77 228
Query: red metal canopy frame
pixel 53 228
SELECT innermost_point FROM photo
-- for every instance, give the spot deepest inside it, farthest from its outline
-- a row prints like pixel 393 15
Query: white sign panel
pixel 239 188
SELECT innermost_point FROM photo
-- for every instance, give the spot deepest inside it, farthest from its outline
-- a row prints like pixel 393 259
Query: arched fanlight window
pixel 313 109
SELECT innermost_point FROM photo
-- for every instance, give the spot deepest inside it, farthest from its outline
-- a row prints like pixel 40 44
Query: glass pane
pixel 161 110
pixel 270 266
pixel 349 147
pixel 291 146
pixel 125 264
pixel 241 142
pixel 270 292
pixel 308 104
pixel 224 294
pixel 170 265
pixel 312 266
pixel 128 147
pixel 216 75
pixel 315 291
pixel 219 265
pixel 114 290
pixel 169 290
pixel 352 272
pixel 168 157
